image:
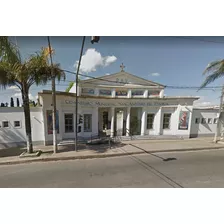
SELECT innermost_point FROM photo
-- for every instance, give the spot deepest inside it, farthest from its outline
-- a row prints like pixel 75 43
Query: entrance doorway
pixel 120 121
pixel 135 121
pixel 104 120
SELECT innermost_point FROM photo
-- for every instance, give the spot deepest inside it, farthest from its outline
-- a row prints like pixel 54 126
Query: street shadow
pixel 97 148
pixel 70 148
pixel 7 152
pixel 16 142
pixel 64 148
pixel 14 135
pixel 159 157
pixel 152 169
pixel 101 148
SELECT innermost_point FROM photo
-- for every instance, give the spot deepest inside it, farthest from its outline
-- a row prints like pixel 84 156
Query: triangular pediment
pixel 121 78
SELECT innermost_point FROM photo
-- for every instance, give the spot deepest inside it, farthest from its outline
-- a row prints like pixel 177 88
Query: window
pixel 197 120
pixel 69 126
pixel 203 120
pixel 105 92
pixel 50 122
pixel 215 120
pixel 150 121
pixel 87 122
pixel 5 124
pixel 166 121
pixel 137 92
pixel 88 91
pixel 121 93
pixel 209 121
pixel 17 124
pixel 153 93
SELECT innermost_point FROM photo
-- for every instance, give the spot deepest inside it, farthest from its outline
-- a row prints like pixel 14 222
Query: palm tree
pixel 69 86
pixel 34 70
pixel 214 70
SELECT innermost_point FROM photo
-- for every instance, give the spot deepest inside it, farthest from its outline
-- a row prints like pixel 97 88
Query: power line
pixel 166 86
pixel 213 88
pixel 201 40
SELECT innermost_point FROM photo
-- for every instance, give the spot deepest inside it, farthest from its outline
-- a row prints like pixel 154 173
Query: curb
pixel 46 159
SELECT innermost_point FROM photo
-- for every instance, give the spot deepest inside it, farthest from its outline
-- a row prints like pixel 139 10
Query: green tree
pixel 11 102
pixel 69 86
pixel 214 70
pixel 24 73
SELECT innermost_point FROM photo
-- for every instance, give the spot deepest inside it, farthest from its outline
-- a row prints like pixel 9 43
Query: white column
pixel 143 121
pixel 159 122
pixel 129 93
pixel 128 121
pixel 112 122
pixel 113 92
pixel 146 92
pixel 161 94
pixel 97 92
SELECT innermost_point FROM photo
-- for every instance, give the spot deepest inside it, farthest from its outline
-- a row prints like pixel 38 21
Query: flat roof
pixel 57 93
pixel 106 97
pixel 206 108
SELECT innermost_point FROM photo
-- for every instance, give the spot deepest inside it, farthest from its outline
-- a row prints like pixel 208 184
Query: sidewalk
pixel 102 151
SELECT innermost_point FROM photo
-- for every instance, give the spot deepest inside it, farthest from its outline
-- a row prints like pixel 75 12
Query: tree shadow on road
pixel 102 148
pixel 97 148
pixel 152 154
pixel 8 152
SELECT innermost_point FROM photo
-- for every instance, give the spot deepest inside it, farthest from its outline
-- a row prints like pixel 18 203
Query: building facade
pixel 118 105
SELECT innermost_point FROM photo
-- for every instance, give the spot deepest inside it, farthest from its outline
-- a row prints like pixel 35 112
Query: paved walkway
pixel 11 156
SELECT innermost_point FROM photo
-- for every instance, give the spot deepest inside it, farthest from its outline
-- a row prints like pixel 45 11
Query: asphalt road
pixel 181 170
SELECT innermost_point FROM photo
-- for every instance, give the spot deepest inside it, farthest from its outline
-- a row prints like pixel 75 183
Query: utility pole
pixel 218 127
pixel 76 97
pixel 94 39
pixel 54 110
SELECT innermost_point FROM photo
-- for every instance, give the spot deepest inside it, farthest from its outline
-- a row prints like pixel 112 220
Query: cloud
pixel 155 74
pixel 109 60
pixel 92 59
pixel 19 95
pixel 14 88
pixel 107 74
pixel 204 102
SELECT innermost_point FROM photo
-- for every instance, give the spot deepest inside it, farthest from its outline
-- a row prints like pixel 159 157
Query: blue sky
pixel 175 61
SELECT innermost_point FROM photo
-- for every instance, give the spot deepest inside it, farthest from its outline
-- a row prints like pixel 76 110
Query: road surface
pixel 162 170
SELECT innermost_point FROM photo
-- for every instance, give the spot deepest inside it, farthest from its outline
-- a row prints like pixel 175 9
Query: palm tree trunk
pixel 26 107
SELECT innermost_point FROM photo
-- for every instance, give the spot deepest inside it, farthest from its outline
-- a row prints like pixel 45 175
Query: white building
pixel 204 121
pixel 122 104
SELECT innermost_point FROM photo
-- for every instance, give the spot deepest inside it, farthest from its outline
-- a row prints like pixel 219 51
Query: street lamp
pixel 93 40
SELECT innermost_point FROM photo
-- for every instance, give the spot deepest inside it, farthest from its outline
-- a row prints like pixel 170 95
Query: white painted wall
pixel 203 129
pixel 64 108
pixel 158 121
pixel 173 129
pixel 155 130
pixel 10 137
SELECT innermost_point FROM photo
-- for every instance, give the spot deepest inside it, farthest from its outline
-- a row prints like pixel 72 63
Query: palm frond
pixel 213 66
pixel 40 69
pixel 9 51
pixel 212 77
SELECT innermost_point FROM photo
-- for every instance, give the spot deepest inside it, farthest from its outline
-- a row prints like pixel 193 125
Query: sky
pixel 176 61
